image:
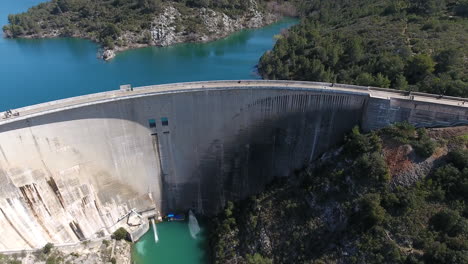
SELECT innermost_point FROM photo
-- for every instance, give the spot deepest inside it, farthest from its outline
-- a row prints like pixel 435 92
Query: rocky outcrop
pixel 170 24
pixel 108 54
pixel 407 167
pixel 172 27
pixel 321 213
pixel 173 23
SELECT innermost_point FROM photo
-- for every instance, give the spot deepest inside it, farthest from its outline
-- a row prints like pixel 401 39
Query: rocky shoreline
pixel 218 25
pixel 170 27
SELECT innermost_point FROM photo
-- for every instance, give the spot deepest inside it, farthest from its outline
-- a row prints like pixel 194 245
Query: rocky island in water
pixel 125 24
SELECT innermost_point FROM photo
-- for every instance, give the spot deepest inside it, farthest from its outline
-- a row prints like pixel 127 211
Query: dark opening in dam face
pixel 72 168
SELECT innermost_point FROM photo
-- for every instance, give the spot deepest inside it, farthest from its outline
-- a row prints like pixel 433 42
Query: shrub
pixel 449 222
pixel 357 143
pixel 120 234
pixel 369 213
pixel 372 169
pixel 402 132
pixel 257 259
pixel 439 253
pixel 459 158
pixel 424 148
pixel 419 66
pixel 453 182
pixel 53 260
pixel 47 248
pixel 400 202
pixel 461 9
pixel 106 242
pixel 436 253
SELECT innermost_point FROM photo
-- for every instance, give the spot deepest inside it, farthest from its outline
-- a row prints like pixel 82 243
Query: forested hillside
pixel 416 45
pixel 123 24
pixel 103 17
pixel 398 195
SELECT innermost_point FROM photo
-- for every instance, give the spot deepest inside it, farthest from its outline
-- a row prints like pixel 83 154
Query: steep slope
pixel 394 196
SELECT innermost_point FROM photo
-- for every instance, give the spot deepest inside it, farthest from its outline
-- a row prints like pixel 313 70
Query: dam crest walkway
pixel 127 92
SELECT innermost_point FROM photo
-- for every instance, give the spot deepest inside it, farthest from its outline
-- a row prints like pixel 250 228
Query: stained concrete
pixel 71 168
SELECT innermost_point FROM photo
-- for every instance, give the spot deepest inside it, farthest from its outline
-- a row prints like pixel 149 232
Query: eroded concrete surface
pixel 70 169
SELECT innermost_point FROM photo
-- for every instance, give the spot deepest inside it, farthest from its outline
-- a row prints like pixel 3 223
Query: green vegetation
pixel 120 234
pixel 406 134
pixel 47 248
pixel 54 259
pixel 4 259
pixel 348 208
pixel 106 242
pixel 400 44
pixel 257 259
pixel 117 22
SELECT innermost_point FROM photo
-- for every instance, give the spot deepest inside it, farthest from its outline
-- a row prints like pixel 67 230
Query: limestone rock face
pixel 173 24
pixel 200 25
pixel 108 54
pixel 171 27
pixel 163 27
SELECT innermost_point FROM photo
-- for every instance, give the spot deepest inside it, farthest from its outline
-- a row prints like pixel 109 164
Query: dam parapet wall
pixel 122 94
pixel 72 168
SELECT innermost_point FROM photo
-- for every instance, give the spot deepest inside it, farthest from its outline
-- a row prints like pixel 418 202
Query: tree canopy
pixel 408 45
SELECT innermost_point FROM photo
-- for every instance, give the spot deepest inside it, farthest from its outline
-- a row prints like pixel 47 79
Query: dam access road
pixel 70 169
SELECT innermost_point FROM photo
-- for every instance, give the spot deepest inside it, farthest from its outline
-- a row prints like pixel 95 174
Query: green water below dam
pixel 39 70
pixel 175 245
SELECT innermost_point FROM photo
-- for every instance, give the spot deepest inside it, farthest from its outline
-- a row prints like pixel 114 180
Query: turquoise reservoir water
pixel 175 246
pixel 35 71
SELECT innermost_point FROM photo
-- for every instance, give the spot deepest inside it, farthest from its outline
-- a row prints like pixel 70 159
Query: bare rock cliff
pixel 203 25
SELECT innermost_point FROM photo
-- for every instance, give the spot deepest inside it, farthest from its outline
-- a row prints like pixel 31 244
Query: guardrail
pixel 153 89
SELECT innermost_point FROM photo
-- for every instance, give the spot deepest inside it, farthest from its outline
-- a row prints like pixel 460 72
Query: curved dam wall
pixel 70 169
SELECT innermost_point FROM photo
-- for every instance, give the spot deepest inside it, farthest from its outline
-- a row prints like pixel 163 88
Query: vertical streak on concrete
pixel 16 229
pixel 167 187
pixel 334 103
pixel 157 153
pixel 4 156
pixel 101 215
pixel 38 149
pixel 199 198
pixel 172 166
pixel 316 129
pixel 168 169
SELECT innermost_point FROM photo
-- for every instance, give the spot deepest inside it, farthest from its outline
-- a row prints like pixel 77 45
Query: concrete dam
pixel 72 169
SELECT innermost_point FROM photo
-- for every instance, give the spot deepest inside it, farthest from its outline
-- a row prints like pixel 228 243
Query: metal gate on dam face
pixel 71 168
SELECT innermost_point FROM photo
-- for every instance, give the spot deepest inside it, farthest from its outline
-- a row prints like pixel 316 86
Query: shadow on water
pixel 201 50
pixel 175 245
pixel 204 244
